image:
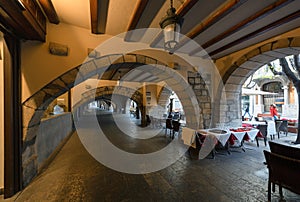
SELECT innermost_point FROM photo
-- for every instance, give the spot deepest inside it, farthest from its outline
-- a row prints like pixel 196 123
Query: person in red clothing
pixel 273 111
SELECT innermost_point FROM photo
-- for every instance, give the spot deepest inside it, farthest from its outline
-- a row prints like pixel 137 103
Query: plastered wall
pixel 39 67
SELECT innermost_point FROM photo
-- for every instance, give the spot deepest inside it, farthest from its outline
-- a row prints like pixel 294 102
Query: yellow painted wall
pixel 1 118
pixel 224 63
pixel 39 67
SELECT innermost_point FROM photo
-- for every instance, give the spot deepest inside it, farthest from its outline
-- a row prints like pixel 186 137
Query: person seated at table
pixel 273 111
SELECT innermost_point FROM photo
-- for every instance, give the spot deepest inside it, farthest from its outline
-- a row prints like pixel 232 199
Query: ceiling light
pixel 171 24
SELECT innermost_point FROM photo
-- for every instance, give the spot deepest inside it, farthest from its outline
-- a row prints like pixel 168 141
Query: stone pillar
pixel 296 96
pixel 286 95
pixel 259 107
pixel 285 106
pixel 144 106
pixel 251 104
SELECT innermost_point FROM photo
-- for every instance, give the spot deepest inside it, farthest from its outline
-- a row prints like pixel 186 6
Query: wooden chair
pixel 283 171
pixel 264 131
pixel 281 126
pixel 284 150
pixel 169 125
pixel 175 127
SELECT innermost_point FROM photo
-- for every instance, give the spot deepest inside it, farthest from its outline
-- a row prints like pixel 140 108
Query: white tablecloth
pixel 239 135
pixel 271 128
pixel 211 139
pixel 255 123
pixel 252 133
pixel 221 137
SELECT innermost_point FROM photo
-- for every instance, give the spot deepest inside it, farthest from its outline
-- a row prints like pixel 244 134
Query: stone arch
pixel 33 108
pixel 107 92
pixel 246 65
pixel 284 82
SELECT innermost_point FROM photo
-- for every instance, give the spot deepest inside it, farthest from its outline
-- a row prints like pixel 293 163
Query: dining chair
pixel 175 127
pixel 283 128
pixel 169 126
pixel 264 131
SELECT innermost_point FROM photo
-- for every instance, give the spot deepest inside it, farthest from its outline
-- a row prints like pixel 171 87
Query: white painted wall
pixel 1 119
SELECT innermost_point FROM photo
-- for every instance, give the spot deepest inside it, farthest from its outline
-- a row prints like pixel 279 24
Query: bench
pixel 283 171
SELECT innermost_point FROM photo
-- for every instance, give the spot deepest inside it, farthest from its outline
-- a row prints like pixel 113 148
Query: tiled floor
pixel 75 176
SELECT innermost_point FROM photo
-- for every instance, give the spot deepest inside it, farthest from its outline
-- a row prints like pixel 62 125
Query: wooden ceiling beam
pixel 138 11
pixel 99 11
pixel 217 15
pixel 258 32
pixel 243 24
pixel 185 7
pixel 181 11
pixel 24 19
pixel 137 14
pixel 49 10
pixel 143 15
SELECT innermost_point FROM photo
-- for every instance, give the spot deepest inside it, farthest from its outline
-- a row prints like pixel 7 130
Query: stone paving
pixel 74 175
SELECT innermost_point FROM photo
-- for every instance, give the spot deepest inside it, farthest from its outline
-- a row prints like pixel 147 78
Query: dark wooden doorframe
pixel 12 116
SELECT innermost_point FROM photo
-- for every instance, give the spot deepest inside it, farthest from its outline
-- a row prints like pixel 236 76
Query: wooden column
pixel 12 117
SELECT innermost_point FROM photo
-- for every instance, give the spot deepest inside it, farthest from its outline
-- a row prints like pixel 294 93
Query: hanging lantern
pixel 171 25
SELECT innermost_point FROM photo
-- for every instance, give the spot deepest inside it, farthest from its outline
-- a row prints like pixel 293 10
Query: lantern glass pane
pixel 171 34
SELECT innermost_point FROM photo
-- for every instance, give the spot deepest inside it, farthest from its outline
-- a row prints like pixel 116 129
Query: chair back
pixel 169 123
pixel 285 150
pixel 176 126
pixel 283 171
pixel 284 126
pixel 263 129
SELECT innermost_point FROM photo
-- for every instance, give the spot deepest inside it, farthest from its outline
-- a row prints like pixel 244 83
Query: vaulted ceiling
pixel 220 27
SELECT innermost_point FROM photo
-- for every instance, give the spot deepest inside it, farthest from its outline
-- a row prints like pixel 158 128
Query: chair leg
pixel 265 140
pixel 257 142
pixel 280 192
pixel 269 191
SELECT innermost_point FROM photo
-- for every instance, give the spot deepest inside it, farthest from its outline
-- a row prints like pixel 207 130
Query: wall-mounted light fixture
pixel 171 25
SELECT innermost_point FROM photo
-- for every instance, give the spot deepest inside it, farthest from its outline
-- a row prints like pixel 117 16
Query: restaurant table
pixel 205 139
pixel 252 134
pixel 211 138
pixel 254 123
pixel 243 133
pixel 271 127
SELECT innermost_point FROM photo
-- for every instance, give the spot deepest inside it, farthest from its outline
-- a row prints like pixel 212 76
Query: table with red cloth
pixel 210 138
pixel 243 134
pixel 254 124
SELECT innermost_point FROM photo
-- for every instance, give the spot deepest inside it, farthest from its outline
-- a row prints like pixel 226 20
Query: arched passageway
pixel 241 69
pixel 193 95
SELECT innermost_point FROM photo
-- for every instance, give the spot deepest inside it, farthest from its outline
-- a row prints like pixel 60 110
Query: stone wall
pixel 201 91
pixel 51 133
